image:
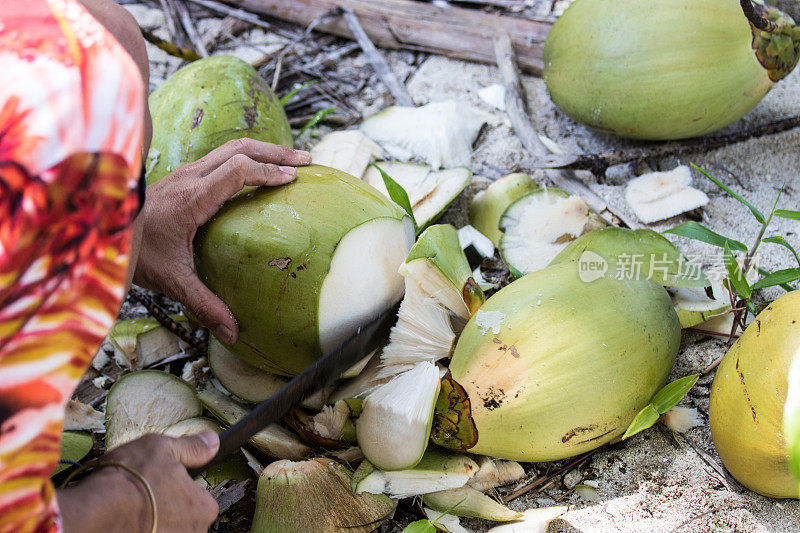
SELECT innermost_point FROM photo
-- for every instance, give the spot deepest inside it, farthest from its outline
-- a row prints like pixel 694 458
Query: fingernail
pixel 209 439
pixel 291 171
pixel 224 333
pixel 305 155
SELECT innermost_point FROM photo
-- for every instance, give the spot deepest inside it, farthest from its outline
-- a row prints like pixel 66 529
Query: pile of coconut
pixel 474 378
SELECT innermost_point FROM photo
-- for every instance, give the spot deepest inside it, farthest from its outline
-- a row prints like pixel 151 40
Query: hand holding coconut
pixel 188 197
pixel 181 505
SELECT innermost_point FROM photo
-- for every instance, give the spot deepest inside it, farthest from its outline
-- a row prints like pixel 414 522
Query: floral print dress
pixel 71 124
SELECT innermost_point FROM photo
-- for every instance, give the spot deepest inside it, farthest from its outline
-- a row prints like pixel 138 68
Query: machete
pixel 323 372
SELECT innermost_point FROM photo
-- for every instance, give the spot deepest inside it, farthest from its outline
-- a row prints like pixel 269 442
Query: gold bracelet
pixel 97 464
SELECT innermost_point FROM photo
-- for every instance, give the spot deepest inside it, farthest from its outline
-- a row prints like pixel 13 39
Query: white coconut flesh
pixel 148 401
pixel 429 191
pixel 436 471
pixel 360 385
pixel 495 473
pixel 694 306
pixel 329 423
pixel 423 333
pixel 155 345
pixel 439 133
pixel 349 151
pixel 428 280
pixel 273 440
pixel 395 421
pixel 532 521
pixel 362 281
pixel 241 379
pixel 661 195
pixel 538 226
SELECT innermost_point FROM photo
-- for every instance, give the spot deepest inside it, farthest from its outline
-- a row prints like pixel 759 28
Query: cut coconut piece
pixel 532 521
pixel 469 503
pixel 473 242
pixel 444 522
pixel 80 417
pixel 314 495
pixel 142 342
pixel 332 427
pixel 350 456
pixel 423 333
pixel 395 421
pixel 357 368
pixel 429 192
pixel 147 401
pixel 240 378
pixel 538 226
pixel 681 419
pixel 437 266
pixel 495 473
pixel 436 471
pixel 359 386
pixel 349 151
pixel 273 440
pixel 75 445
pixel 662 195
pixel 439 133
pixel 488 206
pixel 721 326
pixel 694 306
pixel 494 95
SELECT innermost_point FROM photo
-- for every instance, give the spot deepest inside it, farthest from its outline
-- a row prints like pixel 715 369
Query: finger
pixel 206 307
pixel 194 450
pixel 208 508
pixel 256 150
pixel 218 186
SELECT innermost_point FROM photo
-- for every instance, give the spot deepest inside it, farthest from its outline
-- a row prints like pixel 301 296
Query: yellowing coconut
pixel 524 381
pixel 748 397
pixel 664 70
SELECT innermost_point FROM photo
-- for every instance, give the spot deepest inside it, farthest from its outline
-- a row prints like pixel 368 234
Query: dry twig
pixel 170 47
pixel 165 320
pixel 188 26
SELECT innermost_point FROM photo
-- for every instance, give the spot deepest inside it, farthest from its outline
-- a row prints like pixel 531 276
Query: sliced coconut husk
pixel 80 417
pixel 444 522
pixel 423 333
pixel 273 440
pixel 357 368
pixel 429 191
pixel 469 503
pixel 436 471
pixel 495 473
pixel 662 195
pixel 539 225
pixel 315 495
pixel 395 421
pixel 488 206
pixel 240 378
pixel 332 427
pixel 142 342
pixel 532 521
pixel 75 445
pixel 359 386
pixel 147 401
pixel 439 133
pixel 349 151
pixel 437 266
pixel 350 456
pixel 694 306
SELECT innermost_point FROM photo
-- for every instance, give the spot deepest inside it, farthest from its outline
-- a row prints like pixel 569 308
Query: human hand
pixel 184 200
pixel 111 499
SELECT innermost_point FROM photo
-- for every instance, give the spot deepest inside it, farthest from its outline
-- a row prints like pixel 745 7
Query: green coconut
pixel 301 266
pixel 488 206
pixel 206 104
pixel 748 398
pixel 524 376
pixel 664 70
pixel 75 445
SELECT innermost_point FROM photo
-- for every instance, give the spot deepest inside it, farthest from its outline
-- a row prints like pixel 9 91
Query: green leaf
pixel 779 277
pixel 420 526
pixel 784 286
pixel 785 213
pixel 735 275
pixel 646 418
pixel 698 232
pixel 791 418
pixel 285 98
pixel 672 393
pixel 777 239
pixel 319 115
pixel 398 194
pixel 756 213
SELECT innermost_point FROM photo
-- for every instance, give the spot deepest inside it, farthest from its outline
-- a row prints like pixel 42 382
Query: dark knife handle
pixel 321 373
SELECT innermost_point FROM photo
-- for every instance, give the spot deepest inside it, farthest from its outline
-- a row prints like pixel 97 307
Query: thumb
pixel 195 450
pixel 207 308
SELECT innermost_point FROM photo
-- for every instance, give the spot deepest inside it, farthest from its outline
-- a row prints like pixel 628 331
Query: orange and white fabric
pixel 71 124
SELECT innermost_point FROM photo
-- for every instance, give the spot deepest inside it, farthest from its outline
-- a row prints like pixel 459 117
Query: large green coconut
pixel 552 366
pixel 206 104
pixel 302 265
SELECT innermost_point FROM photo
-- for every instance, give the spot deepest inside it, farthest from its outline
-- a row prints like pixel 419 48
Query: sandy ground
pixel 658 481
